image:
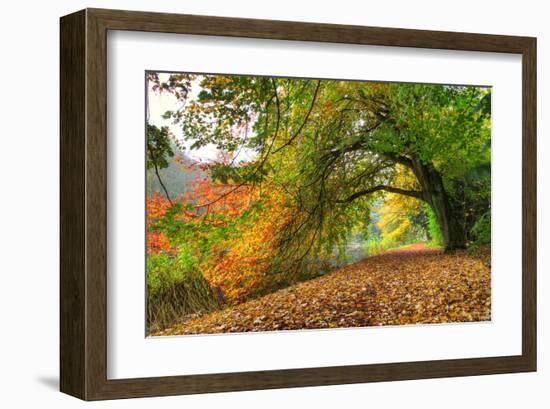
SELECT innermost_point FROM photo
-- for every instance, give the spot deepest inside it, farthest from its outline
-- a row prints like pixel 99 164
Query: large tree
pixel 332 145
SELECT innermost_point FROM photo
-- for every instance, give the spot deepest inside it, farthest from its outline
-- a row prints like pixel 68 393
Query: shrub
pixel 373 246
pixel 175 288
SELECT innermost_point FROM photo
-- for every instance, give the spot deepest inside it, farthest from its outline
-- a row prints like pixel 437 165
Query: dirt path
pixel 406 286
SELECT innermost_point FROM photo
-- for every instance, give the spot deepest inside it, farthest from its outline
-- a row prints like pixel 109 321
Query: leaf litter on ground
pixel 414 285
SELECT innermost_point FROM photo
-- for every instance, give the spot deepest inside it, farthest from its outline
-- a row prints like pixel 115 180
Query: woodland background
pixel 33 227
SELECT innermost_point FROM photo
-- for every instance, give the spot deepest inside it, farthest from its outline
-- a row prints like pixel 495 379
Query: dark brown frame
pixel 84 203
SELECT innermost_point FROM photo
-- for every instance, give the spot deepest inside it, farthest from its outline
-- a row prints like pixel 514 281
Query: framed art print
pixel 252 204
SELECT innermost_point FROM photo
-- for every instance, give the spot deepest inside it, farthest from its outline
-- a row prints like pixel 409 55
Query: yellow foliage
pixel 395 213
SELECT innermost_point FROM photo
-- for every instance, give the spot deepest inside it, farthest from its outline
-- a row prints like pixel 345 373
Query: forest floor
pixel 411 285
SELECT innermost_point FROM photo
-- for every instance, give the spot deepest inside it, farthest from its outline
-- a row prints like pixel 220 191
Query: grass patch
pixel 175 289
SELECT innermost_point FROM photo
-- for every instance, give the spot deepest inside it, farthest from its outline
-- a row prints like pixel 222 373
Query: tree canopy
pixel 332 144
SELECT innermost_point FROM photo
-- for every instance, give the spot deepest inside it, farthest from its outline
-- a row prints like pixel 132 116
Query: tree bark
pixel 448 214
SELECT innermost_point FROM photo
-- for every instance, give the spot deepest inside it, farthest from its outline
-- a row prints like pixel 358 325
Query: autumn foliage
pixel 157 241
pixel 273 183
pixel 231 229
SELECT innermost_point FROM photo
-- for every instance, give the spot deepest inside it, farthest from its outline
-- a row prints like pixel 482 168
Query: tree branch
pixel 262 159
pixel 391 189
pixel 356 146
pixel 162 184
pixel 403 160
pixel 153 157
pixel 291 139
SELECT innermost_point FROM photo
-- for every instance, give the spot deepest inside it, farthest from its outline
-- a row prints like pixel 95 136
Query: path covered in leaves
pixel 408 286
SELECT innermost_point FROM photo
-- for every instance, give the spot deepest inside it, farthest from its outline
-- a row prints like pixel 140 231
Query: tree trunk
pixel 448 214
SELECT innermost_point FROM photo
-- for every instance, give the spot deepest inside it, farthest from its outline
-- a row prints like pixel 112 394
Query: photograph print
pixel 277 203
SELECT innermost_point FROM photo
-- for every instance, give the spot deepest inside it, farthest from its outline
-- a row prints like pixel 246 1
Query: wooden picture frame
pixel 83 98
